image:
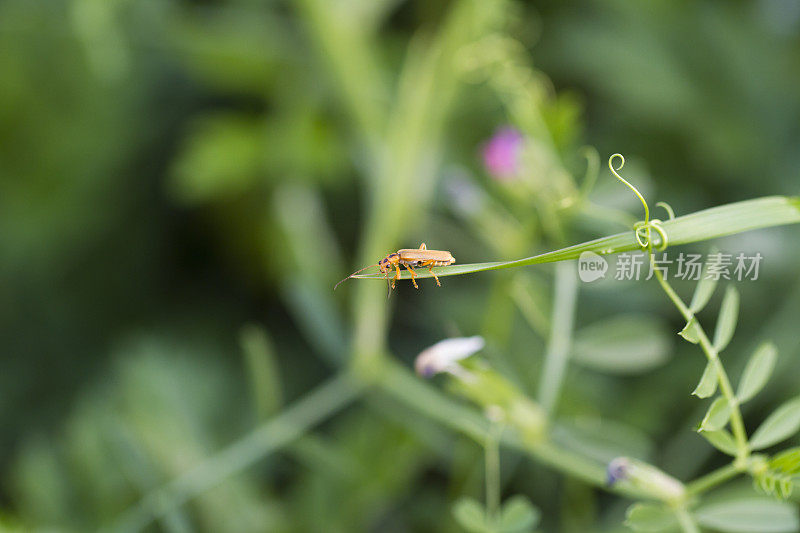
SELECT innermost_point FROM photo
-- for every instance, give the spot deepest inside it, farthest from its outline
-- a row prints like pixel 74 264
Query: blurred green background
pixel 182 183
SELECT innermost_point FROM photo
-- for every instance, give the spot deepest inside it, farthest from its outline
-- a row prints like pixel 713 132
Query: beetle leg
pixel 429 264
pixel 413 275
pixel 397 267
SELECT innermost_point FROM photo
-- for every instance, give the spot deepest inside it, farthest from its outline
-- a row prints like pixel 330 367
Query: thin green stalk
pixel 492 460
pixel 557 355
pixel 687 523
pixel 737 422
pixel 713 479
pixel 282 429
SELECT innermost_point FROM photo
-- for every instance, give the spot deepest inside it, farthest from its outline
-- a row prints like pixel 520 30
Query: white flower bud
pixel 444 355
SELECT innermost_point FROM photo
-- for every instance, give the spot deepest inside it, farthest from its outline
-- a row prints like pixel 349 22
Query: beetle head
pixel 386 263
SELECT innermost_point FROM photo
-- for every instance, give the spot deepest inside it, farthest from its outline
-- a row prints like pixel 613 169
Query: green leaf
pixel 470 515
pixel 649 517
pixel 721 440
pixel 717 415
pixel 691 332
pixel 748 515
pixel 696 227
pixel 708 382
pixel 624 344
pixel 780 425
pixel 787 462
pixel 728 315
pixel 786 487
pixel 757 372
pixel 519 515
pixel 601 440
pixel 779 477
pixel 702 293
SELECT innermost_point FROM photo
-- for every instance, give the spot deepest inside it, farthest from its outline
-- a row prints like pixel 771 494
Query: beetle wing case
pixel 413 255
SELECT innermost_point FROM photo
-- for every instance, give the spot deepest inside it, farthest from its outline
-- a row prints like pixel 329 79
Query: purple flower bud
pixel 617 470
pixel 501 155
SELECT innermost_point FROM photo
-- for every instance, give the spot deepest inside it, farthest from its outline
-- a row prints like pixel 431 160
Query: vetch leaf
pixel 781 474
pixel 787 461
pixel 747 515
pixel 703 292
pixel 470 515
pixel 649 517
pixel 708 382
pixel 690 331
pixel 624 344
pixel 696 227
pixel 519 515
pixel 780 425
pixel 757 372
pixel 721 440
pixel 717 415
pixel 728 315
pixel 786 488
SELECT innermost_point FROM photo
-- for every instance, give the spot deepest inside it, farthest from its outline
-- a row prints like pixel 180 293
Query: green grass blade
pixel 703 225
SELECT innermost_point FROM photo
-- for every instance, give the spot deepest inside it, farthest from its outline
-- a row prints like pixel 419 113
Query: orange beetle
pixel 410 258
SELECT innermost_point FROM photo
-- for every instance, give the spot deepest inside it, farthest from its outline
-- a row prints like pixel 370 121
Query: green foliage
pixel 780 425
pixel 717 416
pixel 625 344
pixel 728 315
pixel 703 292
pixel 517 515
pixel 650 517
pixel 470 515
pixel 696 227
pixel 170 171
pixel 721 440
pixel 749 514
pixel 757 372
pixel 780 474
pixel 708 381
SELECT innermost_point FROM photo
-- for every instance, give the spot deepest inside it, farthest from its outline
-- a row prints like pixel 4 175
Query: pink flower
pixel 501 155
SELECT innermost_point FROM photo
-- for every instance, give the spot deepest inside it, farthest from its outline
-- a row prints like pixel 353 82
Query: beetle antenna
pixel 351 275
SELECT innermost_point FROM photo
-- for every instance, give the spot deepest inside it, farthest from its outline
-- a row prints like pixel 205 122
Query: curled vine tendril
pixel 667 208
pixel 643 230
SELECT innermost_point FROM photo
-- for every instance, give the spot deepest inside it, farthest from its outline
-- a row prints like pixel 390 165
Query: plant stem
pixel 713 479
pixel 492 460
pixel 686 521
pixel 737 422
pixel 401 384
pixel 282 429
pixel 555 363
pixel 401 184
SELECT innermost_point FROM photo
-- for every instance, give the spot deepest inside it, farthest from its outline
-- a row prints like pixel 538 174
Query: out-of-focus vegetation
pixel 182 183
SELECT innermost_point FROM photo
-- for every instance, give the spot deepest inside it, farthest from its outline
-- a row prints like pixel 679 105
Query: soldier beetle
pixel 409 258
